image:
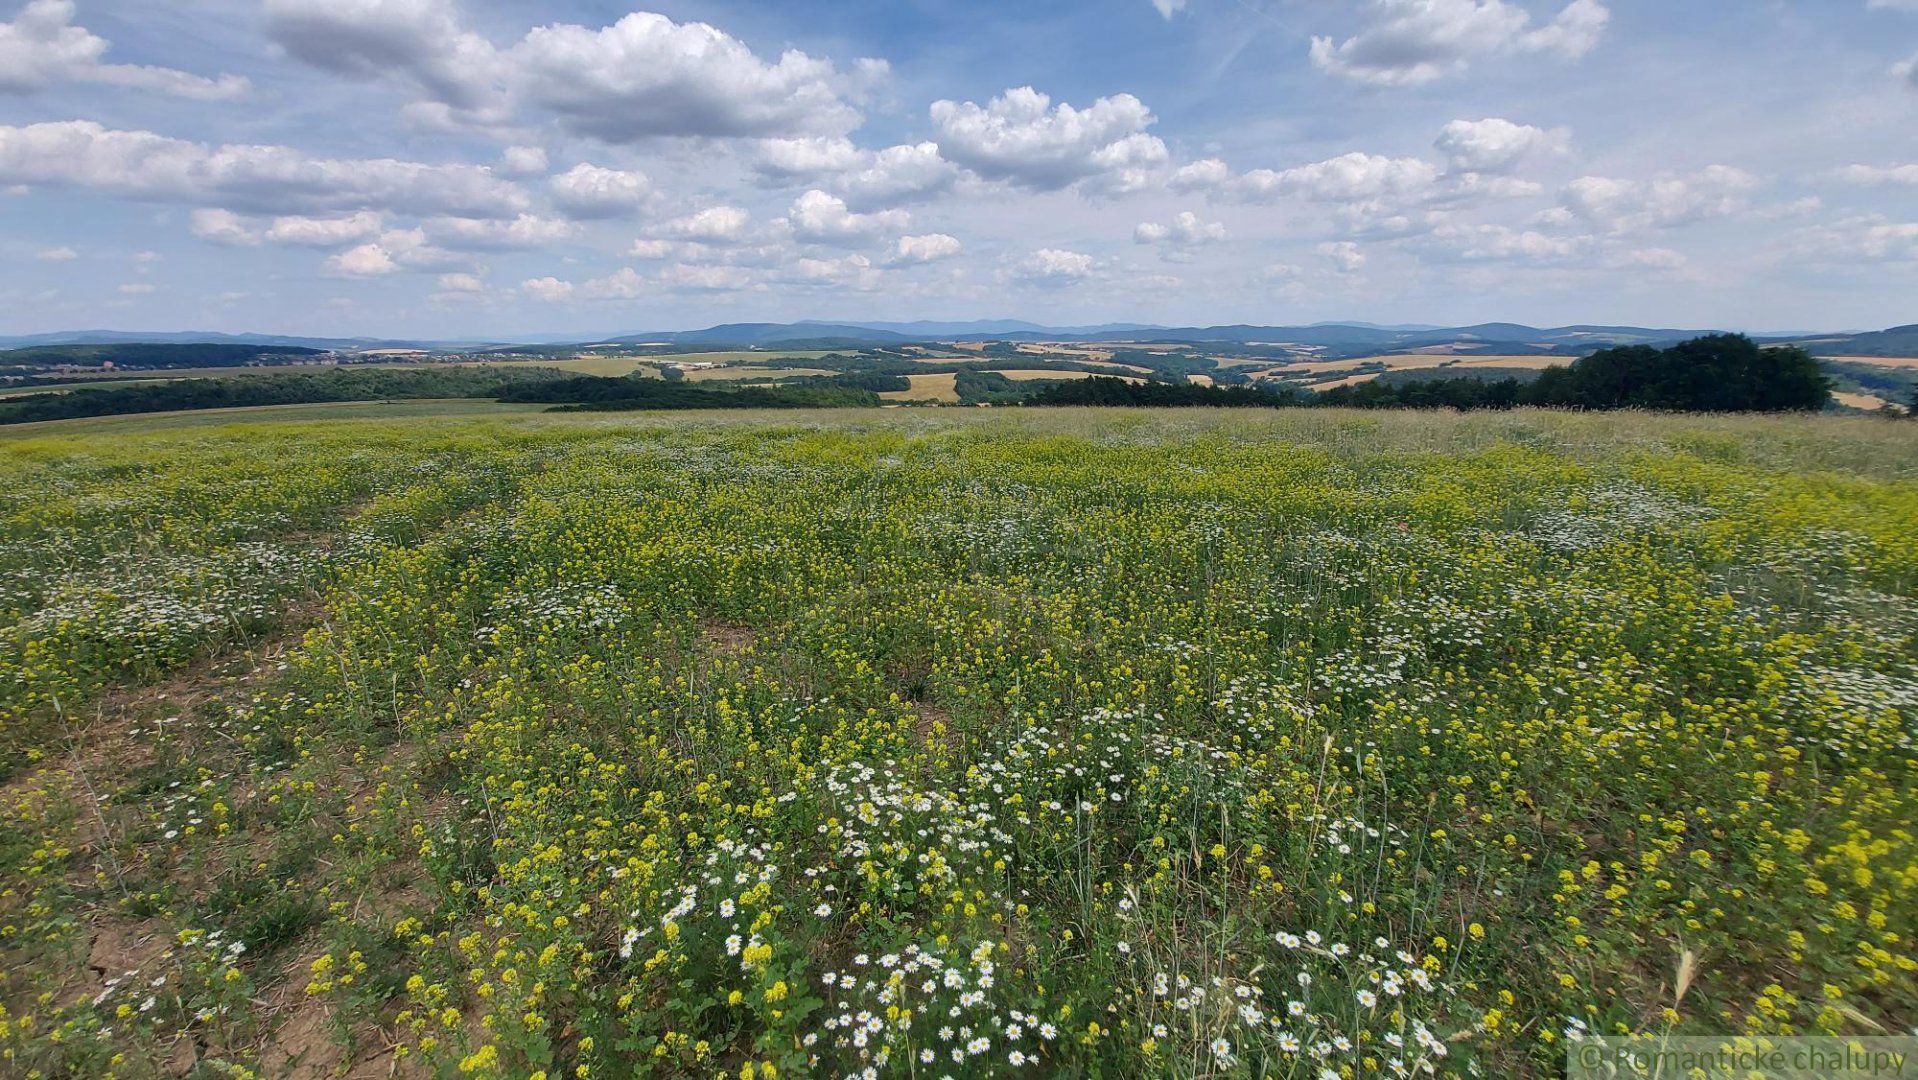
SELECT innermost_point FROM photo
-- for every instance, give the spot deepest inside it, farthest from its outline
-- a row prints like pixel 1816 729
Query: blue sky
pixel 480 169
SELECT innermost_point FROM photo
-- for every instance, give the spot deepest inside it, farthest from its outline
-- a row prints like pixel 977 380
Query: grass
pixel 349 740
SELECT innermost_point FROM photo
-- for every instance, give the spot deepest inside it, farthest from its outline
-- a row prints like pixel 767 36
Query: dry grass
pixel 939 387
pixel 1877 361
pixel 1414 362
pixel 1867 402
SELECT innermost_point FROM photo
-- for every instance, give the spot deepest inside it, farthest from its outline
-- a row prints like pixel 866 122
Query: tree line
pixel 1713 373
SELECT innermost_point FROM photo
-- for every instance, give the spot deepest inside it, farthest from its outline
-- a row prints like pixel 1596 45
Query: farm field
pixel 936 387
pixel 376 740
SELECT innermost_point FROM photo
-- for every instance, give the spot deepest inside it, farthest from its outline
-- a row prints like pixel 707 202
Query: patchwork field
pixel 1029 742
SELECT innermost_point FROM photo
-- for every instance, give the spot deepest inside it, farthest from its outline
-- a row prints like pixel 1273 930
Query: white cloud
pixel 523 161
pixel 1498 242
pixel 931 247
pixel 1494 144
pixel 1879 174
pixel 818 217
pixel 865 178
pixel 1656 258
pixel 589 191
pixel 713 225
pixel 1662 202
pixel 850 272
pixel 323 232
pixel 57 254
pixel 640 77
pixel 1168 8
pixel 1203 175
pixel 1412 42
pixel 898 174
pixel 41 47
pixel 222 227
pixel 367 260
pixel 462 283
pixel 394 250
pixel 1860 238
pixel 1346 177
pixel 1892 5
pixel 550 289
pixel 524 231
pixel 1344 254
pixel 271 179
pixel 137 288
pixel 808 159
pixel 1022 138
pixel 646 75
pixel 1054 267
pixel 1185 230
pixel 418 40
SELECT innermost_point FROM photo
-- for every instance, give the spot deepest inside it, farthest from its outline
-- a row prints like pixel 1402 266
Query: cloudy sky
pixel 454 168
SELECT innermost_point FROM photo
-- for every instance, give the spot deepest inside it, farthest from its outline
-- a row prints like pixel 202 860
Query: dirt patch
pixel 122 948
pixel 728 638
pixel 931 722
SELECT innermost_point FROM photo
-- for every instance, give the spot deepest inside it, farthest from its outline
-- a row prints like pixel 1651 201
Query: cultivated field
pixel 1041 742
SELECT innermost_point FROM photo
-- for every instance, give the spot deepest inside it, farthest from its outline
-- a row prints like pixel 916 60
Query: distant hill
pixel 209 337
pixel 1327 340
pixel 144 355
pixel 1897 341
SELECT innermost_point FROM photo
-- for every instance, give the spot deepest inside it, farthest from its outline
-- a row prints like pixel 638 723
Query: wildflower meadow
pixel 951 742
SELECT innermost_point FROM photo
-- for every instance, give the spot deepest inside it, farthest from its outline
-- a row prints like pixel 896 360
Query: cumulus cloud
pixel 640 77
pixel 1204 175
pixel 808 159
pixel 367 260
pixel 1183 232
pixel 1412 42
pixel 394 250
pixel 1343 178
pixel 821 218
pixel 462 283
pixel 57 254
pixel 713 225
pixel 1344 254
pixel 1168 8
pixel 1662 202
pixel 865 178
pixel 524 231
pixel 323 232
pixel 898 174
pixel 550 289
pixel 222 227
pixel 931 247
pixel 523 161
pixel 646 75
pixel 1871 238
pixel 589 191
pixel 145 165
pixel 1021 137
pixel 1499 242
pixel 41 47
pixel 1494 145
pixel 1872 175
pixel 421 41
pixel 1053 267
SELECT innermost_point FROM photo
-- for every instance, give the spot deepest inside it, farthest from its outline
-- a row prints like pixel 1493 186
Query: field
pixel 373 741
pixel 940 388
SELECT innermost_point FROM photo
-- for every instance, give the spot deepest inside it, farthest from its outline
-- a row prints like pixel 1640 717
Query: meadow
pixel 372 741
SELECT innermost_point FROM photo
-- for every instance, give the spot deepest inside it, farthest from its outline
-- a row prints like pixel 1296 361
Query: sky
pixel 480 169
